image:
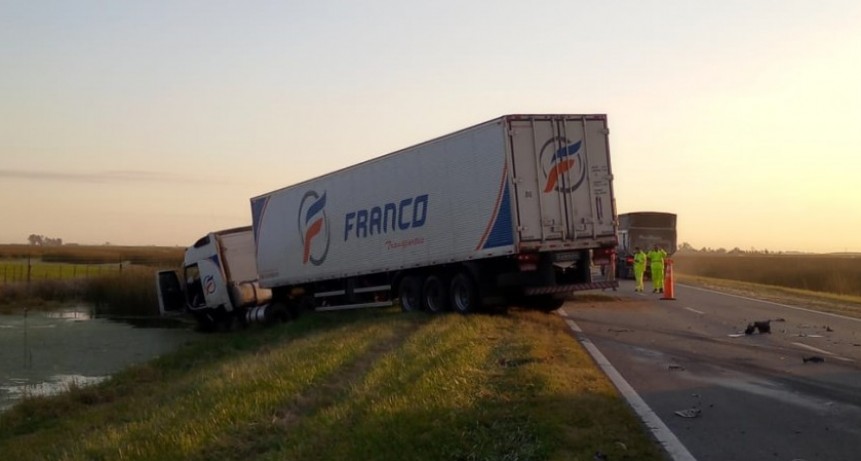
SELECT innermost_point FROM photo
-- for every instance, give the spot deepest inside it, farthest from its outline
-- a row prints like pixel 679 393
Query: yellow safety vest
pixel 640 259
pixel 657 257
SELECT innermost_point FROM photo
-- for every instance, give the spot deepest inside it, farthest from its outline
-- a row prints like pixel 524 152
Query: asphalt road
pixel 754 396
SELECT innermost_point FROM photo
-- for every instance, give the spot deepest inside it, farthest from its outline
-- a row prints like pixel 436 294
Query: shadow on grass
pixel 444 387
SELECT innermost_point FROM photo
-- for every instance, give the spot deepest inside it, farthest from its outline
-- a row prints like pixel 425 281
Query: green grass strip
pixel 351 385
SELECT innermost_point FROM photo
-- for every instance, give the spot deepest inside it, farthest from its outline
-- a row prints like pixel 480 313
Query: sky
pixel 153 123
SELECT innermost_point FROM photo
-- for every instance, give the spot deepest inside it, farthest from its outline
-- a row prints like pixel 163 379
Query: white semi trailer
pixel 514 210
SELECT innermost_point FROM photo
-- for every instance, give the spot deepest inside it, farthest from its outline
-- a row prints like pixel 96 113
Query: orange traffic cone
pixel 668 281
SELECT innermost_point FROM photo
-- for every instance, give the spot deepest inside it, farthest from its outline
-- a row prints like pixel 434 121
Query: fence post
pixel 29 267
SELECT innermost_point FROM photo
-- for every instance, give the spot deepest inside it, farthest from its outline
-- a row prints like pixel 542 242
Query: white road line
pixel 814 349
pixel 694 310
pixel 823 351
pixel 662 433
pixel 773 303
pixel 574 326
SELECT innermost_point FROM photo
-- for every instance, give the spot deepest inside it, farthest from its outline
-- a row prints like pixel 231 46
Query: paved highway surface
pixel 753 396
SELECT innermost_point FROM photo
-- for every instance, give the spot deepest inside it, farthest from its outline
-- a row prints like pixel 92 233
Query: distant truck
pixel 643 229
pixel 514 210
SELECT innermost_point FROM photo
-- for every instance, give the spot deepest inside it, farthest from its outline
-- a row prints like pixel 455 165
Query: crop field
pixel 106 254
pixel 115 280
pixel 373 384
pixel 21 263
pixel 839 275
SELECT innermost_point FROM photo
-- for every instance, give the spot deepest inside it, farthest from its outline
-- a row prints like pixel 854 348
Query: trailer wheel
pixel 463 294
pixel 435 295
pixel 410 293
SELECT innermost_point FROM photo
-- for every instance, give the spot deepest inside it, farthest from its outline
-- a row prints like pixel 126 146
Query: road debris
pixel 735 335
pixel 805 335
pixel 619 330
pixel 674 366
pixel 689 413
pixel 762 326
pixel 813 359
pixel 828 329
pixel 600 456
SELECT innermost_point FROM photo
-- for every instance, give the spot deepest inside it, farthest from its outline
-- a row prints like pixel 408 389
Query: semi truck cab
pixel 219 279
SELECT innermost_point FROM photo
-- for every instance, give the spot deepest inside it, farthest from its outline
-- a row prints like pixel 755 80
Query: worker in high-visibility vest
pixel 656 264
pixel 639 267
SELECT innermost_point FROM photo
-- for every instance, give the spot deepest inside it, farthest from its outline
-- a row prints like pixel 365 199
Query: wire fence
pixel 28 270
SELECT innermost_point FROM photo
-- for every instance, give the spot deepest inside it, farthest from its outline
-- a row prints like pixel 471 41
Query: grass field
pixel 822 273
pixel 373 384
pixel 22 270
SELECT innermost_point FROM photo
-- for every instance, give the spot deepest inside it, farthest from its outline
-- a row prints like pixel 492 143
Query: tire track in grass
pixel 401 405
pixel 262 435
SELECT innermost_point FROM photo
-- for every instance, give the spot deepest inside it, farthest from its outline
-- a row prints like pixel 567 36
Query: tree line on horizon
pixel 41 240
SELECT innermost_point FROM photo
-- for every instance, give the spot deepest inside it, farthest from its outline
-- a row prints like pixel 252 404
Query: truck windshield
pixel 194 288
pixel 650 220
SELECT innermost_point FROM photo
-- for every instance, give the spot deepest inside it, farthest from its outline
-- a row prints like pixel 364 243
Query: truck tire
pixel 463 294
pixel 435 295
pixel 277 312
pixel 205 323
pixel 213 320
pixel 410 293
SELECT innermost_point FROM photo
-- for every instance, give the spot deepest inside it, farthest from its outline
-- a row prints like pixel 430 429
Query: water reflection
pixel 72 314
pixel 43 353
pixel 19 387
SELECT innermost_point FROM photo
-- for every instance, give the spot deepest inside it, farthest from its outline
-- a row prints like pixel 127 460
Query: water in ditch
pixel 43 353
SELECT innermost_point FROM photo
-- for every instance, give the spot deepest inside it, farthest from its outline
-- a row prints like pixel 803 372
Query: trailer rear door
pixel 562 179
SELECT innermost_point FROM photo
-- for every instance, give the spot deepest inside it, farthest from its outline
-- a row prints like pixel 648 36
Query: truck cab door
pixel 211 284
pixel 170 296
